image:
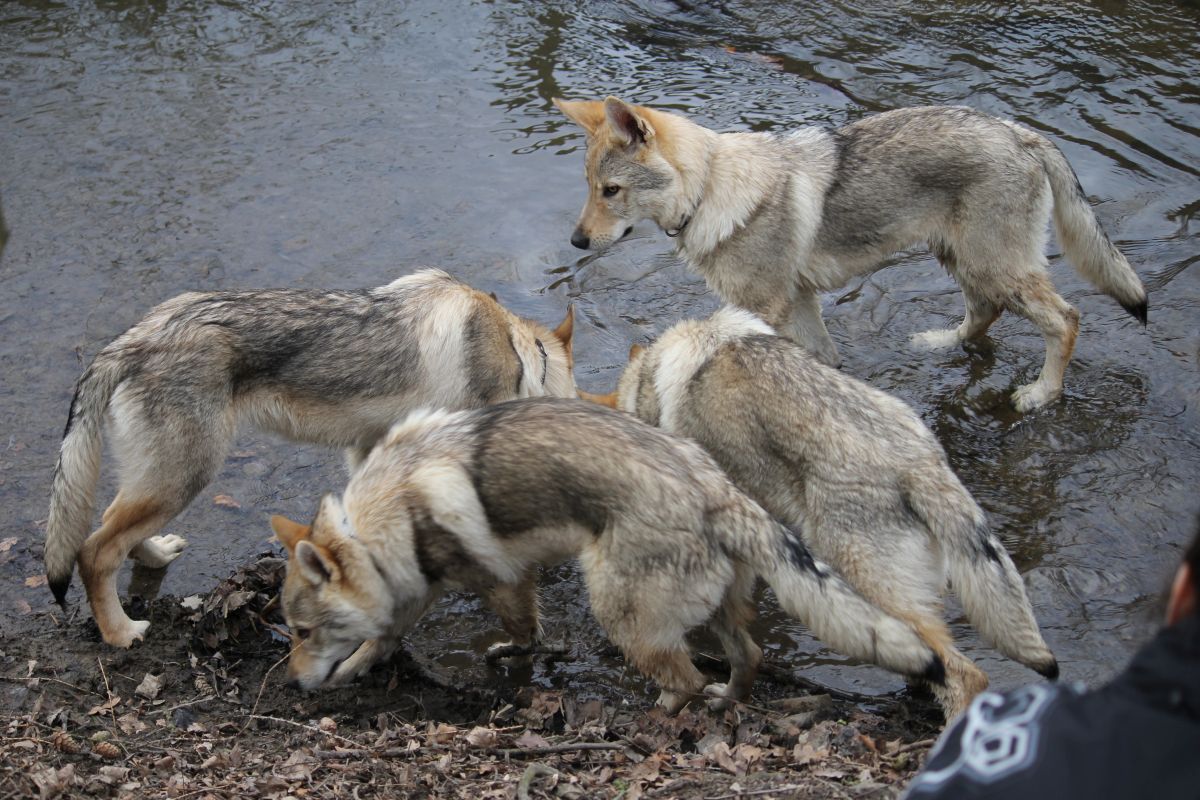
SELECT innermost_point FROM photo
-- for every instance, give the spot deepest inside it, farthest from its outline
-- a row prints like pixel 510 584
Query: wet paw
pixel 1033 396
pixel 719 697
pixel 159 551
pixel 135 631
pixel 507 650
pixel 935 340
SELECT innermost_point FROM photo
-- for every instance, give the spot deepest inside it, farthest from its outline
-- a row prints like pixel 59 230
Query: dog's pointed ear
pixel 607 400
pixel 566 328
pixel 493 296
pixel 635 350
pixel 587 114
pixel 316 563
pixel 630 127
pixel 289 533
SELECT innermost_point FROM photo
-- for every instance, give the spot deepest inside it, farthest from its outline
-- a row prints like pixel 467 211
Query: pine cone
pixel 65 743
pixel 107 750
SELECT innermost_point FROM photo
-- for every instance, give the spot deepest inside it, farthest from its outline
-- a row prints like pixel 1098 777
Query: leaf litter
pixel 197 712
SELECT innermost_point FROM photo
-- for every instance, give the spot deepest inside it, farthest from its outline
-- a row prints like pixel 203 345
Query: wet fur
pixel 480 499
pixel 771 220
pixel 330 368
pixel 854 466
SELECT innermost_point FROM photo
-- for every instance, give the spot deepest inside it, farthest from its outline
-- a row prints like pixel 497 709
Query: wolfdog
pixel 771 220
pixel 481 498
pixel 856 467
pixel 331 368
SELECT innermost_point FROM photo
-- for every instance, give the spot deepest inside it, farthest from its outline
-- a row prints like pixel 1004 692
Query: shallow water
pixel 149 148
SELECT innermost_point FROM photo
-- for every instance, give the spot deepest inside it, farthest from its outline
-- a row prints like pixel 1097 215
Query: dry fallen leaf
pixel 530 739
pixel 6 544
pixel 150 686
pixel 34 581
pixel 225 501
pixel 482 737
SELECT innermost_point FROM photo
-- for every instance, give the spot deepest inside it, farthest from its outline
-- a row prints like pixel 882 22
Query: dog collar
pixel 545 359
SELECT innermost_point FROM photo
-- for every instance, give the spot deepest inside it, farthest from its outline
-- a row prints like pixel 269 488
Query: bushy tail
pixel 813 593
pixel 72 495
pixel 981 572
pixel 1085 243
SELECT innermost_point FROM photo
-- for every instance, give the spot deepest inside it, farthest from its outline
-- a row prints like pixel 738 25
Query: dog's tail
pixel 981 571
pixel 812 592
pixel 1085 243
pixel 73 492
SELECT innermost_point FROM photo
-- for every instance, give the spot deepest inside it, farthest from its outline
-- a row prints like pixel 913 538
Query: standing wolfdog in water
pixel 481 498
pixel 771 220
pixel 331 368
pixel 853 465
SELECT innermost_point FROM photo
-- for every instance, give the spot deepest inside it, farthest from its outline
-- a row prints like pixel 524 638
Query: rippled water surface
pixel 147 148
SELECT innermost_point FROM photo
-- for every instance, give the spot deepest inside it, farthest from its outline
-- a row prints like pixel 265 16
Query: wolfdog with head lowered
pixel 856 467
pixel 481 498
pixel 336 368
pixel 771 220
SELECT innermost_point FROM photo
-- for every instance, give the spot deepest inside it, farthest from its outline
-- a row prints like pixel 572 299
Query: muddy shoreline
pixel 200 709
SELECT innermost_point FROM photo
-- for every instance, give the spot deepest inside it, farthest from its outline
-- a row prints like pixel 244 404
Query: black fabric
pixel 1137 737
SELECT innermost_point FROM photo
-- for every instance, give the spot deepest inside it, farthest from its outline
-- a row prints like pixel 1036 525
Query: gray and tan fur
pixel 772 220
pixel 856 467
pixel 336 368
pixel 481 498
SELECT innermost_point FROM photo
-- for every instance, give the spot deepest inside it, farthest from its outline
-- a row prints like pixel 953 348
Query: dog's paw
pixel 159 551
pixel 1032 396
pixel 124 637
pixel 719 697
pixel 935 340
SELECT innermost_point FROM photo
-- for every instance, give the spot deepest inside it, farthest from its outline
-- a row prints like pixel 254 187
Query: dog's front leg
pixel 516 605
pixel 805 327
pixel 373 651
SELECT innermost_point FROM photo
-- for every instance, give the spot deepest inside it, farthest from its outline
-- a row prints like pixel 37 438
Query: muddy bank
pixel 200 710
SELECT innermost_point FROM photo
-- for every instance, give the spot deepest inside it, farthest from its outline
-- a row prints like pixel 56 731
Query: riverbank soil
pixel 200 710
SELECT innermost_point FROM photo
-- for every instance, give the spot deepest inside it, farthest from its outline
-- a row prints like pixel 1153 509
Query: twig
pixel 312 728
pixel 107 700
pixel 531 772
pixel 358 752
pixel 791 787
pixel 912 746
pixel 784 676
pixel 263 686
pixel 512 649
pixel 182 705
pixel 559 748
pixel 836 788
pixel 80 689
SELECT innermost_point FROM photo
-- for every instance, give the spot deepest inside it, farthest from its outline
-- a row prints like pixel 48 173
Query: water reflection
pixel 155 147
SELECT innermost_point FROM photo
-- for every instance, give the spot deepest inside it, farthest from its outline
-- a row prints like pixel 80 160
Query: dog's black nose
pixel 579 240
pixel 293 683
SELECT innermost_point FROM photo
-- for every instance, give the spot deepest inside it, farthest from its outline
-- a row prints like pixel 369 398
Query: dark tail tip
pixel 1048 671
pixel 1137 311
pixel 935 673
pixel 59 586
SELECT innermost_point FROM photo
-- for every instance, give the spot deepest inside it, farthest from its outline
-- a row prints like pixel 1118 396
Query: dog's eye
pixel 302 633
pixel 611 190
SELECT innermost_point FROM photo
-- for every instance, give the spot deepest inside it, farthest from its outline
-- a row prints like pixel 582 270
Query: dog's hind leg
pixel 516 605
pixel 979 316
pixel 744 655
pixel 100 558
pixel 1034 298
pixel 805 327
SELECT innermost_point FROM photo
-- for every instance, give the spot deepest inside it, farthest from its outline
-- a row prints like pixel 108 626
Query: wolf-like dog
pixel 771 220
pixel 854 466
pixel 481 498
pixel 336 368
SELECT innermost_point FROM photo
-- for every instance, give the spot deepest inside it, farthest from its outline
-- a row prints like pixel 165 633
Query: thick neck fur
pixel 725 177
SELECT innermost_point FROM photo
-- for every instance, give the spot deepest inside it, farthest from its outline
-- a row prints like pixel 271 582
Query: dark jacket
pixel 1138 737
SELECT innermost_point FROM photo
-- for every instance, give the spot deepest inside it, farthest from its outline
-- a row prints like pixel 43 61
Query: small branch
pixel 559 748
pixel 773 790
pixel 312 728
pixel 511 649
pixel 531 772
pixel 923 743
